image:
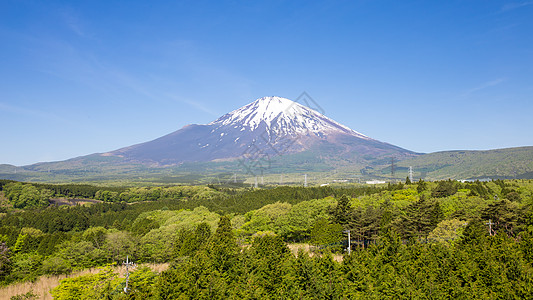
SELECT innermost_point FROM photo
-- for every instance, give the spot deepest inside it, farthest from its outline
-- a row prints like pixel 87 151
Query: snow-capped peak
pixel 282 116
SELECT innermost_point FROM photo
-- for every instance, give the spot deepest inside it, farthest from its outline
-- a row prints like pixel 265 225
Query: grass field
pixel 42 286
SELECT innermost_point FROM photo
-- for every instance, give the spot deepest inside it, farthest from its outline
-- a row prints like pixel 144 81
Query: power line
pixel 128 263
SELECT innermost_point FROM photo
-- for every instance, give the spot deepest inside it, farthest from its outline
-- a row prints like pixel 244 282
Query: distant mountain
pixel 511 163
pixel 269 126
pixel 276 136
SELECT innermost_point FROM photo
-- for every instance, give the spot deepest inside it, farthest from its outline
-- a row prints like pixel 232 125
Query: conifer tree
pixel 223 250
pixel 343 212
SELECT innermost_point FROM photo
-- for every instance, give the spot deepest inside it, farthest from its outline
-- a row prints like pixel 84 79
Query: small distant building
pixel 340 180
pixel 474 180
pixel 376 182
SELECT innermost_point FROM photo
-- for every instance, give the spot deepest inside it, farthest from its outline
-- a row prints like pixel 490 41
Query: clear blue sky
pixel 79 77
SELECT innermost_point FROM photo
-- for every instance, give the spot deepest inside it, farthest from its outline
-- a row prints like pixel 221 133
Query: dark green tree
pixel 269 252
pixel 343 212
pixel 5 261
pixel 503 216
pixel 444 188
pixel 223 248
pixel 421 186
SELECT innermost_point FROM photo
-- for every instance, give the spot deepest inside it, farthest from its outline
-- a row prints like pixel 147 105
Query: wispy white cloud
pixel 73 22
pixel 196 104
pixel 483 86
pixel 19 110
pixel 515 5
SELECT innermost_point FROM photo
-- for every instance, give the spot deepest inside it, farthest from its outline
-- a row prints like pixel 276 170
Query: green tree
pixel 269 254
pixel 118 245
pixel 95 235
pixel 326 235
pixel 5 261
pixel 56 266
pixel 420 218
pixel 421 186
pixel 90 286
pixel 447 230
pixel 223 249
pixel 444 189
pixel 343 212
pixel 503 216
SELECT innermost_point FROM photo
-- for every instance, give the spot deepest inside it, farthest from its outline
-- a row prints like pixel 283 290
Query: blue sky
pixel 83 77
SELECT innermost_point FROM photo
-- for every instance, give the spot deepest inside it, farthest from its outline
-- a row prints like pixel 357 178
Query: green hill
pixel 500 163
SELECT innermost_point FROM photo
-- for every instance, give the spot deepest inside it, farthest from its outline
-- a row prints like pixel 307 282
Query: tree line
pixel 400 233
pixel 210 265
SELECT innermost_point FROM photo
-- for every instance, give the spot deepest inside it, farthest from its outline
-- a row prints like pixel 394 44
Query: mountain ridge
pixel 273 135
pixel 270 125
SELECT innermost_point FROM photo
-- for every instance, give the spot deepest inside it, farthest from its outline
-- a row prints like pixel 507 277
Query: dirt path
pixel 72 202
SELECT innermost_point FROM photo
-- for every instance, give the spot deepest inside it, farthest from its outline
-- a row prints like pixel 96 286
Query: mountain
pixel 269 126
pixel 273 135
pixel 509 163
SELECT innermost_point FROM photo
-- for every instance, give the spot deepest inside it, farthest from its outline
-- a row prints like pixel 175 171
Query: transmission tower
pixel 305 180
pixel 410 173
pixel 256 185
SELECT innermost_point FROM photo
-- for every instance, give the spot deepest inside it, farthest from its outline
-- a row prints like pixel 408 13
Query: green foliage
pixel 26 196
pixel 342 213
pixel 390 230
pixel 265 218
pixel 26 296
pixel 26 265
pixel 421 186
pixel 326 234
pixel 141 284
pixel 269 252
pixel 447 230
pixel 119 245
pixel 19 244
pixel 55 266
pixel 95 235
pixel 499 163
pixel 142 226
pixel 188 242
pixel 223 247
pixel 90 286
pixel 5 261
pixel 420 218
pixel 296 224
pixel 504 215
pixel 444 189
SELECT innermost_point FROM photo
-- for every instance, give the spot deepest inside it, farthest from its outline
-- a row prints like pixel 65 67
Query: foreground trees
pixel 423 240
pixel 476 266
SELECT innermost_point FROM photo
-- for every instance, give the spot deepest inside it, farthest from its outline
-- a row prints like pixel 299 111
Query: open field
pixel 42 286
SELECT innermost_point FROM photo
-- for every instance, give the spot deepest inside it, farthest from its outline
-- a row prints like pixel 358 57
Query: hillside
pixel 500 163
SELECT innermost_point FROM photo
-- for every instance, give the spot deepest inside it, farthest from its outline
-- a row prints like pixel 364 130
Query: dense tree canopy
pixel 445 239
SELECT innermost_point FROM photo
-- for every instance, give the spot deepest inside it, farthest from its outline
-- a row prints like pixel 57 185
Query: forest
pixel 426 240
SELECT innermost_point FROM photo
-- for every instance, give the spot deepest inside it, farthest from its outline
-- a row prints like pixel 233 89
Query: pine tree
pixel 343 212
pixel 223 250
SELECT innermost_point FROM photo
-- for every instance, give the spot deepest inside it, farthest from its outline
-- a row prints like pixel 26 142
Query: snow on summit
pixel 268 126
pixel 283 116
